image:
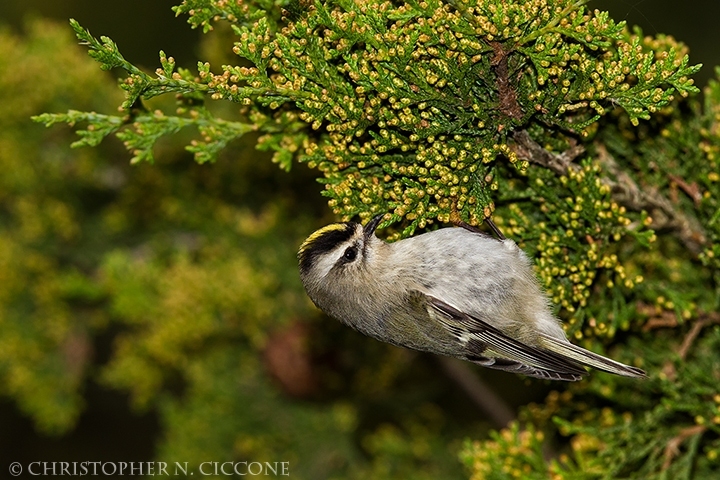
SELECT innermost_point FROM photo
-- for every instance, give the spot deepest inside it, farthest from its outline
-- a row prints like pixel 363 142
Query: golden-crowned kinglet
pixel 452 291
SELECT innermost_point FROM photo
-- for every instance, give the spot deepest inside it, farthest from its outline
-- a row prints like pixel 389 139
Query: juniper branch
pixel 624 189
pixel 665 215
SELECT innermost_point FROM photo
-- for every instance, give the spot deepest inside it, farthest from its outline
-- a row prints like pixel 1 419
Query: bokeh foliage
pixel 191 270
pixel 44 342
pixel 572 129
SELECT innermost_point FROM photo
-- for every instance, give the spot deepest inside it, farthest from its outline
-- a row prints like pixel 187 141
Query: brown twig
pixel 691 189
pixel 484 397
pixel 705 320
pixel 672 449
pixel 689 339
pixel 656 319
pixel 667 319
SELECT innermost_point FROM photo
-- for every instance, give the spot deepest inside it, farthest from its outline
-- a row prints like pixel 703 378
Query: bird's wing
pixel 490 347
pixel 586 357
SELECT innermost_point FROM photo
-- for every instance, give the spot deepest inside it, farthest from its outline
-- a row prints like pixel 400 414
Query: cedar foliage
pixel 581 136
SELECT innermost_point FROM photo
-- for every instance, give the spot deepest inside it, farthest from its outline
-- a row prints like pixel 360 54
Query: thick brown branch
pixel 527 148
pixel 507 97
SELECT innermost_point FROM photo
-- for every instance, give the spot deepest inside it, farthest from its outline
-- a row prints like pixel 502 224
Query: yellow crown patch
pixel 320 232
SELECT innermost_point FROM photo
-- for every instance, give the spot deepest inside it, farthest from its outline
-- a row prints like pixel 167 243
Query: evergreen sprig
pixel 665 428
pixel 406 108
pixel 202 13
pixel 138 84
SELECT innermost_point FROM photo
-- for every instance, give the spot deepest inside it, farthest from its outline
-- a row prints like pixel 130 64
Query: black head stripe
pixel 323 241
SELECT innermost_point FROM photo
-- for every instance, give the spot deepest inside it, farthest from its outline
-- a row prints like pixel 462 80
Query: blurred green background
pixel 144 305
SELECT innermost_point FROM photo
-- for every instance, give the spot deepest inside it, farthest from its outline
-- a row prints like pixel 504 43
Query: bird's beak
pixel 371 226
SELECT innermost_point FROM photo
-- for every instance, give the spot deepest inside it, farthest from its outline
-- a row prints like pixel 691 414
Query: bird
pixel 454 291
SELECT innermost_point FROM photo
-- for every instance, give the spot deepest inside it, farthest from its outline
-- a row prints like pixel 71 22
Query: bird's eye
pixel 350 254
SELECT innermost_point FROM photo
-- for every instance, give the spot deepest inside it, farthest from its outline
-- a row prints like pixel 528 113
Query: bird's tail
pixel 586 357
